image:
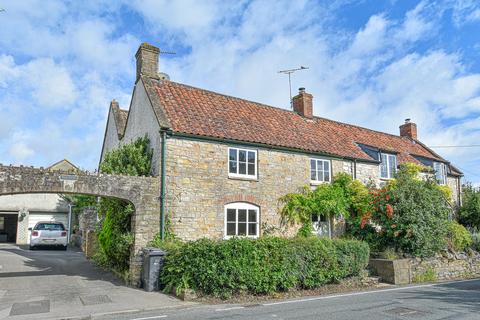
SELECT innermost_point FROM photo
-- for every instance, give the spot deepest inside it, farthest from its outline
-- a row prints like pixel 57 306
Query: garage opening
pixel 8 226
pixel 19 213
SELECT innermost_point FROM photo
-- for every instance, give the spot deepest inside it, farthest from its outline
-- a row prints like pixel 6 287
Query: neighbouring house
pixel 22 211
pixel 226 161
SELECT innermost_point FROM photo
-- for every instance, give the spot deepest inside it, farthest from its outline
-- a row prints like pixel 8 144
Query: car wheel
pixel 32 248
pixel 64 248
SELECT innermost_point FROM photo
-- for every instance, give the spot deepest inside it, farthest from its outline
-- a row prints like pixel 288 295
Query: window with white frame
pixel 242 163
pixel 440 172
pixel 319 170
pixel 388 166
pixel 241 219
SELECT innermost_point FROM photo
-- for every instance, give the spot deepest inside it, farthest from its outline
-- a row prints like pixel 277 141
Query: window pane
pixel 242 215
pixel 251 157
pixel 314 217
pixel 242 168
pixel 383 167
pixel 251 169
pixel 233 154
pixel 392 166
pixel 322 218
pixel 252 229
pixel 252 216
pixel 320 176
pixel 231 229
pixel 326 176
pixel 232 168
pixel 313 174
pixel 313 164
pixel 242 229
pixel 242 155
pixel 326 165
pixel 320 165
pixel 231 215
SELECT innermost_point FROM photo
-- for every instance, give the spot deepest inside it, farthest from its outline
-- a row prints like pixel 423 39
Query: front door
pixel 321 225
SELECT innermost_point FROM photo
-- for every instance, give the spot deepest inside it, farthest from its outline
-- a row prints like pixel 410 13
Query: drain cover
pixel 32 307
pixel 92 300
pixel 401 311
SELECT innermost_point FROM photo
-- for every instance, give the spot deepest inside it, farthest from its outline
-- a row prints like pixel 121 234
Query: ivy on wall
pixel 114 235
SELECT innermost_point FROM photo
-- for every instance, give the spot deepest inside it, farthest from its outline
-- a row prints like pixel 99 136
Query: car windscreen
pixel 50 226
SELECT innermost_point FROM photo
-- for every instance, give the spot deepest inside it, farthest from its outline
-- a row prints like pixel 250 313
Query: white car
pixel 48 233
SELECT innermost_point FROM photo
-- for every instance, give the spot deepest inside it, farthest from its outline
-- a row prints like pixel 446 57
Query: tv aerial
pixel 289 73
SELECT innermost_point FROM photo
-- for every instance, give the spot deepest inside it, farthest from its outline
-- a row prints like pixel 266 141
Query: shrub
pixel 114 237
pixel 469 214
pixel 409 215
pixel 266 265
pixel 458 236
pixel 475 240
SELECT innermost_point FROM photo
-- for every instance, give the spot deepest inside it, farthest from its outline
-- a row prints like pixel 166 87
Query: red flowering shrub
pixel 409 215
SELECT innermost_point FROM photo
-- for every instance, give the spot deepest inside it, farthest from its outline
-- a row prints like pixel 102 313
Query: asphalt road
pixel 53 284
pixel 455 300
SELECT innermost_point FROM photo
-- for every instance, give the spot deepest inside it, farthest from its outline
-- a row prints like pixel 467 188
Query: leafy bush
pixel 476 241
pixel 265 265
pixel 469 214
pixel 458 236
pixel 115 237
pixel 344 197
pixel 410 215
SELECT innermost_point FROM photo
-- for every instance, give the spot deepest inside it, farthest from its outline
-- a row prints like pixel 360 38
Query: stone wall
pixel 198 185
pixel 110 140
pixel 141 122
pixel 447 266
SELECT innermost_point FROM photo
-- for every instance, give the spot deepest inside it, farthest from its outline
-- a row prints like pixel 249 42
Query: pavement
pixel 52 284
pixel 455 300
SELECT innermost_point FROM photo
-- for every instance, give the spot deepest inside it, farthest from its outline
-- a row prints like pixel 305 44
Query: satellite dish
pixel 163 76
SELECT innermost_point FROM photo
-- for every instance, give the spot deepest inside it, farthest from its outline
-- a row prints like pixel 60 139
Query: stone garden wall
pixel 446 266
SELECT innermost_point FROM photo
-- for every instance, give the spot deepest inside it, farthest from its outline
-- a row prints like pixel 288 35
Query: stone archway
pixel 142 192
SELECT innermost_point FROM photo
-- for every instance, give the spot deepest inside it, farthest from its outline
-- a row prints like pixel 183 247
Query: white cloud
pixel 20 151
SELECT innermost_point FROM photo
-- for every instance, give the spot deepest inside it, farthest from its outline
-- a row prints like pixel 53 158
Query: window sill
pixel 240 237
pixel 386 179
pixel 318 183
pixel 244 178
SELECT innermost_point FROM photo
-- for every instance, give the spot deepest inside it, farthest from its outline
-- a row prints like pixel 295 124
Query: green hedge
pixel 266 265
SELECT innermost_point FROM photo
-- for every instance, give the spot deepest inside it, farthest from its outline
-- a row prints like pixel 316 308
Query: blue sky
pixel 372 63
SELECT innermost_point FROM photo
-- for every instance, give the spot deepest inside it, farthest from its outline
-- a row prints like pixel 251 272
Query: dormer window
pixel 388 166
pixel 440 172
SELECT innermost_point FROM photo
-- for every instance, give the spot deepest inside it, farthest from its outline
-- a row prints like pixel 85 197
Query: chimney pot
pixel 409 129
pixel 302 103
pixel 147 61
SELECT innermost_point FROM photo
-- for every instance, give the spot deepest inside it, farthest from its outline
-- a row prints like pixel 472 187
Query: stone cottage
pixel 224 162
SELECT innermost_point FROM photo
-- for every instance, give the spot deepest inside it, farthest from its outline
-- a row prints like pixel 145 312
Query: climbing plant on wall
pixel 115 236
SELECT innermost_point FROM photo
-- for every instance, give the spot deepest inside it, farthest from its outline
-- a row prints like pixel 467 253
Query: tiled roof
pixel 195 111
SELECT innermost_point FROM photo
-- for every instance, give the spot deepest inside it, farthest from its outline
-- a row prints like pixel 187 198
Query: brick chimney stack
pixel 408 129
pixel 302 103
pixel 147 61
